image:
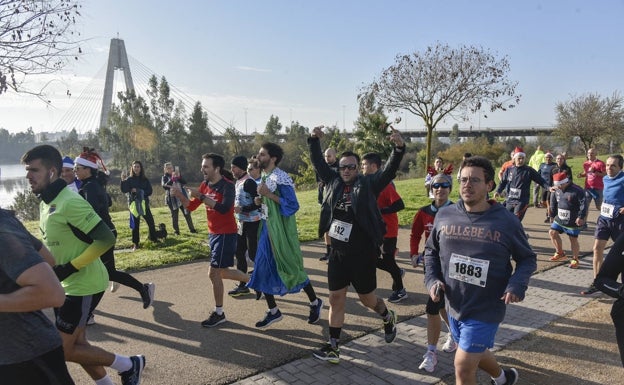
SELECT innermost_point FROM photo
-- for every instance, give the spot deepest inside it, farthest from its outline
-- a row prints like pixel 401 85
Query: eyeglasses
pixel 347 166
pixel 441 185
pixel 471 180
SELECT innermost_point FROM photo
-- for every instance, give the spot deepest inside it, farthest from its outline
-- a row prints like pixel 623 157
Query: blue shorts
pixel 473 336
pixel 609 228
pixel 222 250
pixel 572 233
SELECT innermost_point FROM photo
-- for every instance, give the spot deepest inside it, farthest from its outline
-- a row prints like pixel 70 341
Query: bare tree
pixel 36 37
pixel 591 118
pixel 444 82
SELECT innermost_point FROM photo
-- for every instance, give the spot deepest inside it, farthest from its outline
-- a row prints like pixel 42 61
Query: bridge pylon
pixel 117 60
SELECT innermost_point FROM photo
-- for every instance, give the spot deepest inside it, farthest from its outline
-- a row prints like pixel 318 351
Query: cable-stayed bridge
pixel 90 110
pixel 122 72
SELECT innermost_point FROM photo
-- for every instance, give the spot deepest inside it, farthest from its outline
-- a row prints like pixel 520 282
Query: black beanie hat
pixel 240 162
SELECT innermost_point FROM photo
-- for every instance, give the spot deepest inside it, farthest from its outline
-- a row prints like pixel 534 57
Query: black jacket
pixel 366 189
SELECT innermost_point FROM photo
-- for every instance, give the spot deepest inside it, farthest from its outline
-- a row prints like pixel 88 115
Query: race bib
pixel 470 270
pixel 514 193
pixel 340 230
pixel 563 214
pixel 606 210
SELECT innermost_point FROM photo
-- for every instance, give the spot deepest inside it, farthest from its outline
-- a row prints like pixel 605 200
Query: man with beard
pixel 77 237
pixel 216 192
pixel 278 269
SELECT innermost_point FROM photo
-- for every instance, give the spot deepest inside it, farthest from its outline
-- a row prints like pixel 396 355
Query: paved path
pixel 369 360
pixel 179 351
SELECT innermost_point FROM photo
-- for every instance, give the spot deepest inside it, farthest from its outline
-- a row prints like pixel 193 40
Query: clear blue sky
pixel 306 60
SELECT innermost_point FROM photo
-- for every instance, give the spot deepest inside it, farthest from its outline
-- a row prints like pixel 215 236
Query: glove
pixel 63 271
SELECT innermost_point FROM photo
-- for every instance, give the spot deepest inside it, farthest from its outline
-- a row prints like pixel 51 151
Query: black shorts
pixel 353 268
pixel 433 308
pixel 75 311
pixel 48 368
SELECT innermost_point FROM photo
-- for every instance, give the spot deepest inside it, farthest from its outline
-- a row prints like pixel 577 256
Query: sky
pixel 306 61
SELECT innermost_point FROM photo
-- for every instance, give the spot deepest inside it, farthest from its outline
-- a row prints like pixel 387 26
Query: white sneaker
pixel 430 361
pixel 91 320
pixel 114 286
pixel 450 345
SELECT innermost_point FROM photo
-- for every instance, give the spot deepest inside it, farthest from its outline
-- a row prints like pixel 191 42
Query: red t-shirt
pixel 221 217
pixel 387 197
pixel 592 180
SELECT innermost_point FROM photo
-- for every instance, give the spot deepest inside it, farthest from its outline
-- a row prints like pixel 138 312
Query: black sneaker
pixel 269 319
pixel 239 290
pixel 398 296
pixel 511 377
pixel 133 375
pixel 147 294
pixel 213 320
pixel 390 329
pixel 327 353
pixel 324 257
pixel 315 312
pixel 590 290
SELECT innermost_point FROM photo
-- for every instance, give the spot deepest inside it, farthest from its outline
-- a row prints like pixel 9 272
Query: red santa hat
pixel 89 158
pixel 560 178
pixel 518 151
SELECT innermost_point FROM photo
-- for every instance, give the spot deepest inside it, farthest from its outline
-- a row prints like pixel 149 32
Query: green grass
pixel 189 247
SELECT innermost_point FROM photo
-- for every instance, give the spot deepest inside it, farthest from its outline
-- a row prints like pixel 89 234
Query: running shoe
pixel 91 320
pixel 590 290
pixel 239 290
pixel 133 375
pixel 511 376
pixel 430 360
pixel 328 353
pixel 114 286
pixel 397 296
pixel 214 320
pixel 558 257
pixel 390 329
pixel 450 345
pixel 315 311
pixel 147 294
pixel 269 319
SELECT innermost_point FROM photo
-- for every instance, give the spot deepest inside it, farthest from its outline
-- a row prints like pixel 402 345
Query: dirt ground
pixel 579 349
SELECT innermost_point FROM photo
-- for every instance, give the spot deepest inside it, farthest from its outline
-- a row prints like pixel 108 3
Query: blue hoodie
pixel 471 253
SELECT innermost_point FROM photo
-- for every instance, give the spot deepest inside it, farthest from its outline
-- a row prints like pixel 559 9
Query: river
pixel 12 181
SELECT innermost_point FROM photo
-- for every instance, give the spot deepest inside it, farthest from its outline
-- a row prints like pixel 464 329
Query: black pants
pixel 108 259
pixel 617 315
pixel 47 369
pixel 149 219
pixel 308 289
pixel 387 262
pixel 175 213
pixel 247 241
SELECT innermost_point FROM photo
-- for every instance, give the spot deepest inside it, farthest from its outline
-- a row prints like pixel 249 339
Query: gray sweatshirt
pixel 471 253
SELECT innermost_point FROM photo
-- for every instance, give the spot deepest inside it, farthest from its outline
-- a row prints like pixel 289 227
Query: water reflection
pixel 9 189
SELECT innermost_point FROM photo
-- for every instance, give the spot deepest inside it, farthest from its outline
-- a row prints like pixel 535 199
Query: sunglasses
pixel 441 185
pixel 348 166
